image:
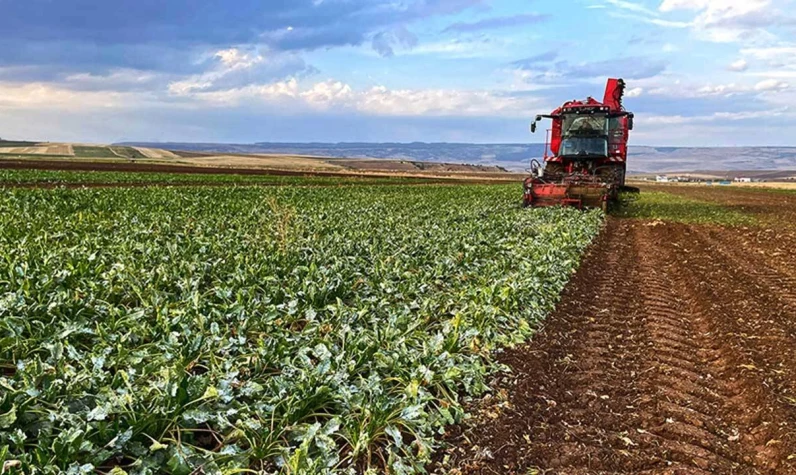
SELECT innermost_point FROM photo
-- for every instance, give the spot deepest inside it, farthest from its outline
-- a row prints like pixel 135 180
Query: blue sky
pixel 699 72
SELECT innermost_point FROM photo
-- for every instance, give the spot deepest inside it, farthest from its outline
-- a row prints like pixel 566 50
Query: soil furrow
pixel 654 362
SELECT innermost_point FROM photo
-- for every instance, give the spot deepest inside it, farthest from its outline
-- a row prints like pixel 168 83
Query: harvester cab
pixel 585 153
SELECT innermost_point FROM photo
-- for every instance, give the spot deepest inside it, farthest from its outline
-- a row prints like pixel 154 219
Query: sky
pixel 699 72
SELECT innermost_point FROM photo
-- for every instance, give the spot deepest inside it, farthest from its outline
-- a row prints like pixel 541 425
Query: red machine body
pixel 585 153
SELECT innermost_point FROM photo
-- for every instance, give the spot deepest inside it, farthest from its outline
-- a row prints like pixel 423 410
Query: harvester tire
pixel 554 171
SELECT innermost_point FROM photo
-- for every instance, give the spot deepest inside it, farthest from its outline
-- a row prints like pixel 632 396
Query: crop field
pixel 127 152
pixel 88 151
pixel 65 178
pixel 43 150
pixel 16 143
pixel 157 153
pixel 286 330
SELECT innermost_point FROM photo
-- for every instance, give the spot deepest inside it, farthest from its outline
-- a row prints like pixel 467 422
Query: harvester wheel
pixel 554 170
pixel 613 173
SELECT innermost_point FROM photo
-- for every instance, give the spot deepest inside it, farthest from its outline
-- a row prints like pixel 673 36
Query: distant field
pixel 292 163
pixel 156 153
pixel 17 143
pixel 90 151
pixel 781 185
pixel 122 178
pixel 777 185
pixel 262 161
pixel 127 152
pixel 49 149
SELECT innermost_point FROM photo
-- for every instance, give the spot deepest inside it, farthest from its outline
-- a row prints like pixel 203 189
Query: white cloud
pixel 327 93
pixel 234 58
pixel 463 48
pixel 778 56
pixel 669 5
pixel 382 101
pixel 738 66
pixel 715 117
pixel 771 85
pixel 788 74
pixel 679 89
pixel 635 11
pixel 236 67
pixel 379 100
pixel 270 92
pixel 727 21
pixel 650 20
pixel 635 92
pixel 720 90
pixel 36 95
pixel 633 7
pixel 231 60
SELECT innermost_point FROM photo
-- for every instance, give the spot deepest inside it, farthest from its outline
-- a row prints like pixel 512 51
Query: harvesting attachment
pixel 585 159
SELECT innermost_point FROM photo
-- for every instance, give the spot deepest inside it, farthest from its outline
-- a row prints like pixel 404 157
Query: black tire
pixel 554 171
pixel 613 173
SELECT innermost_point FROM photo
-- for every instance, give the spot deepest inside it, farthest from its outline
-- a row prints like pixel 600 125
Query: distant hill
pixel 690 159
pixel 515 157
pixel 509 156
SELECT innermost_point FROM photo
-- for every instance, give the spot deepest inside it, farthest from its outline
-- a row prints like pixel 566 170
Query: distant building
pixel 743 180
pixel 662 179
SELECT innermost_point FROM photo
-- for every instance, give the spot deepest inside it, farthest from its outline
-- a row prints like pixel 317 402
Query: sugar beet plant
pixel 261 330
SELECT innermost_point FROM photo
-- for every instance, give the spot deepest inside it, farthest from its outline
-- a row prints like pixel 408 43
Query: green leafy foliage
pixel 64 177
pixel 280 330
pixel 92 151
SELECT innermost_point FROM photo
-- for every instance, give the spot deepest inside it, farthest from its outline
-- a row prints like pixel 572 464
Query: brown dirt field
pixel 25 150
pixel 673 351
pixel 788 185
pixel 44 149
pixel 385 165
pixel 157 153
pixel 59 149
pixel 261 161
pixel 412 167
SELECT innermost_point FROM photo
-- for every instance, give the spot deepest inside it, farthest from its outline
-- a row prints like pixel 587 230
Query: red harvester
pixel 585 153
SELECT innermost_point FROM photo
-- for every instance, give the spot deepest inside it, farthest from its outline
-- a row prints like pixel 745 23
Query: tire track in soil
pixel 756 319
pixel 635 372
pixel 686 400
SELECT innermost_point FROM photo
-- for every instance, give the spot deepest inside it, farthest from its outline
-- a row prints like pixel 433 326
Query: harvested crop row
pixel 284 330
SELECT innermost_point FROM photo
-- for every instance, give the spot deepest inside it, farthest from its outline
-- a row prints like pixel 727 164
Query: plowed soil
pixel 673 351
